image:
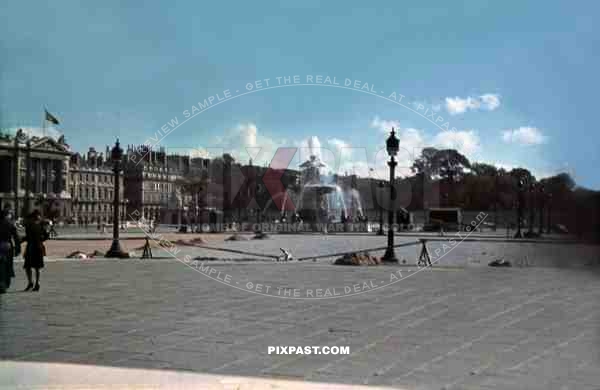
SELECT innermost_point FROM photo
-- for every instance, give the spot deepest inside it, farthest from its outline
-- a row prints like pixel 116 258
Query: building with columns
pixel 35 174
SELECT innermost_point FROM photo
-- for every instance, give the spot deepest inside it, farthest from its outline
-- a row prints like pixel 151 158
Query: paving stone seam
pixel 546 351
pixel 482 368
pixel 366 347
pixel 132 331
pixel 242 360
pixel 395 318
pixel 470 343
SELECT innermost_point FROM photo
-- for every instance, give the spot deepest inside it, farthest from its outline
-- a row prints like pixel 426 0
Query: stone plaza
pixel 457 325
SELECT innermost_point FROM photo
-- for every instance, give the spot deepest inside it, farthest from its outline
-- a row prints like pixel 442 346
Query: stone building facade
pixel 35 174
pixel 157 184
pixel 92 189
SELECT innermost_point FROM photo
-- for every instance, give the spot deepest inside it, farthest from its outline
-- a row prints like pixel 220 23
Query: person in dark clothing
pixel 35 235
pixel 9 247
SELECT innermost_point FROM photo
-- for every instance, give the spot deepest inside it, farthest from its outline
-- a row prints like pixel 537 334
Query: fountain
pixel 322 202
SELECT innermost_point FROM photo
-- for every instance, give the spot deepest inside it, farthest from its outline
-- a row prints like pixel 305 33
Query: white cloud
pixel 384 126
pixel 490 101
pixel 464 141
pixel 539 171
pixel 248 133
pixel 341 148
pixel 458 105
pixel 524 136
pixel 244 142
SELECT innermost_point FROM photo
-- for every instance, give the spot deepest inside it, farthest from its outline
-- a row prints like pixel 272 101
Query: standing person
pixel 9 247
pixel 35 235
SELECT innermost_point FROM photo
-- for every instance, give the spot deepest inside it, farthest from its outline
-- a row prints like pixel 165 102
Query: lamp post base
pixel 518 234
pixel 389 256
pixel 115 251
pixel 380 232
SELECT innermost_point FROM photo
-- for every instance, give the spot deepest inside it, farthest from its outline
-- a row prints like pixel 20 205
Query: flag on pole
pixel 51 118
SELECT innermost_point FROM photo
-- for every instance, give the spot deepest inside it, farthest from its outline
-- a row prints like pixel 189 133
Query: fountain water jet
pixel 321 202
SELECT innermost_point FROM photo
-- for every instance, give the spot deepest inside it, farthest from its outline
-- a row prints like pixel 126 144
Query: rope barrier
pixel 504 240
pixel 239 252
pixel 382 248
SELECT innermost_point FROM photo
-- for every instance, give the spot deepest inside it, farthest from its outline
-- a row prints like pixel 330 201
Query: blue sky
pixel 515 81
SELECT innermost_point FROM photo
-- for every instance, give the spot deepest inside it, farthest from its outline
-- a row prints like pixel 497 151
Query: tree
pixel 483 169
pixel 522 173
pixel 450 164
pixel 424 164
pixel 563 182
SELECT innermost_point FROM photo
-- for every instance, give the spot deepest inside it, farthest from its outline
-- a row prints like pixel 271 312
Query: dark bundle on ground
pixel 358 259
pixel 261 236
pixel 500 263
pixel 199 241
pixel 166 244
pixel 237 237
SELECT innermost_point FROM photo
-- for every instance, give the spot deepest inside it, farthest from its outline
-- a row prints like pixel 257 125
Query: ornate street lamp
pixel 392 146
pixel 381 186
pixel 520 189
pixel 115 250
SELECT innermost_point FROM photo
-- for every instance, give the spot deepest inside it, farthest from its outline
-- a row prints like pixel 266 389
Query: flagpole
pixel 44 122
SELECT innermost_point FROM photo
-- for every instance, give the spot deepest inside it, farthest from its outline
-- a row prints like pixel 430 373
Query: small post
pixel 147 253
pixel 424 258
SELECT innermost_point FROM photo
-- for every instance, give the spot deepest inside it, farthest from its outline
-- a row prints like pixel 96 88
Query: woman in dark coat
pixel 35 235
pixel 9 247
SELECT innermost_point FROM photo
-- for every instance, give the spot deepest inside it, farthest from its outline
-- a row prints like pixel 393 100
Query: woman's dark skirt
pixel 6 266
pixel 34 256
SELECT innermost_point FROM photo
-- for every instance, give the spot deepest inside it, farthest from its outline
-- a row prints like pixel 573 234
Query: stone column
pixel 38 176
pixel 49 165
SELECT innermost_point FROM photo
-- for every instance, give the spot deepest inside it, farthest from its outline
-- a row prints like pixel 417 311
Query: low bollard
pixel 424 258
pixel 147 253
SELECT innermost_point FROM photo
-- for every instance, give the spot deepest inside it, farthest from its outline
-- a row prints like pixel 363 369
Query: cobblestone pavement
pixel 459 328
